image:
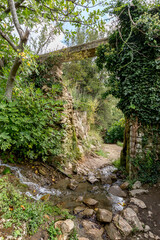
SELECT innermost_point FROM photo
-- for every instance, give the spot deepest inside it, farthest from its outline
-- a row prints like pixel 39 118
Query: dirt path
pixel 95 161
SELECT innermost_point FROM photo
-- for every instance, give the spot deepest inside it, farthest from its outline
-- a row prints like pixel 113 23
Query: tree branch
pixel 7 38
pixel 15 18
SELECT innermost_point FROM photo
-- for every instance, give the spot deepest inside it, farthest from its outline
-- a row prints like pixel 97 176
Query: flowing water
pixel 65 197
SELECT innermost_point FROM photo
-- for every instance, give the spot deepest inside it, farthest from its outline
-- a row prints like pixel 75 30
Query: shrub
pixel 115 132
pixel 30 125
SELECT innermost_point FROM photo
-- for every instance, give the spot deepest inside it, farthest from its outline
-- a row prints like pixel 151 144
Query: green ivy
pixel 30 125
pixel 132 60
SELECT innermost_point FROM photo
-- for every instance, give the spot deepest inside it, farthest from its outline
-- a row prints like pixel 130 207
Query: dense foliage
pixel 30 125
pixel 115 132
pixel 132 59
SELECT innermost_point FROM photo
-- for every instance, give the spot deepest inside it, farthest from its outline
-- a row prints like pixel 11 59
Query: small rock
pixel 150 213
pixel 92 179
pixel 87 212
pixel 124 185
pixel 117 191
pixel 132 218
pixel 146 235
pixel 146 228
pixel 138 202
pixel 151 235
pixel 79 209
pixel 106 179
pixel 112 232
pixel 135 192
pixel 73 184
pixel 67 226
pixel 104 215
pixel 123 225
pixel 137 185
pixel 79 199
pixel 90 201
pixel 157 237
pixel 42 170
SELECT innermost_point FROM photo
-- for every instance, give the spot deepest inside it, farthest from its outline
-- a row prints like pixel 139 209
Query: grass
pixel 117 163
pixel 120 144
pixel 102 153
pixel 18 210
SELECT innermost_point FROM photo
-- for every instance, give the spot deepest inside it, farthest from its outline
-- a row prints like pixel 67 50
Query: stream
pixel 66 198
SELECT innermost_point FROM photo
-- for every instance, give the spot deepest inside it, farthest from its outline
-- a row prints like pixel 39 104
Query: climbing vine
pixel 132 58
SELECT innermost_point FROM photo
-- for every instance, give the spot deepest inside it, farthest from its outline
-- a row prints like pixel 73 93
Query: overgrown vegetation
pixel 22 213
pixel 30 125
pixel 116 132
pixel 132 59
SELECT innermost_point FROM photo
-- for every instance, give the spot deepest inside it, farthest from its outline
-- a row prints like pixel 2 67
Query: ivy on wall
pixel 132 58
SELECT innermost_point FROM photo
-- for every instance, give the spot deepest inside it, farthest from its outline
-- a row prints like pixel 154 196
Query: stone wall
pixel 76 127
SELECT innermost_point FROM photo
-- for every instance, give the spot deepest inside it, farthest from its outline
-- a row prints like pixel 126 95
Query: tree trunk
pixel 11 79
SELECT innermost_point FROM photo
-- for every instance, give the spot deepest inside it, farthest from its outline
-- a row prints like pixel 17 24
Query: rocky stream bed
pixel 99 198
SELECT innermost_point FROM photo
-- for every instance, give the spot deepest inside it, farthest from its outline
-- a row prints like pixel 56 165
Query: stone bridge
pixel 78 52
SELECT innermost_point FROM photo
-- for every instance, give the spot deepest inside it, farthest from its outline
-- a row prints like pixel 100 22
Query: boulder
pixel 135 192
pixel 79 209
pixel 137 185
pixel 87 212
pixel 90 201
pixel 104 215
pixel 132 218
pixel 67 226
pixel 93 229
pixel 138 202
pixel 122 225
pixel 112 232
pixel 117 191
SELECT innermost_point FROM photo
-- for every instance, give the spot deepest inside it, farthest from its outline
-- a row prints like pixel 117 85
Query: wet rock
pixel 137 185
pixel 73 184
pixel 117 191
pixel 79 209
pixel 113 176
pixel 124 185
pixel 79 199
pixel 122 225
pixel 135 192
pixel 138 202
pixel 104 215
pixel 132 218
pixel 92 179
pixel 146 228
pixel 90 201
pixel 106 179
pixel 87 212
pixel 45 197
pixel 42 170
pixel 93 229
pixel 112 232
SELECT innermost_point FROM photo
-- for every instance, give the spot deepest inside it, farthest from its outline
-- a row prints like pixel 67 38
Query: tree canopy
pixel 18 18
